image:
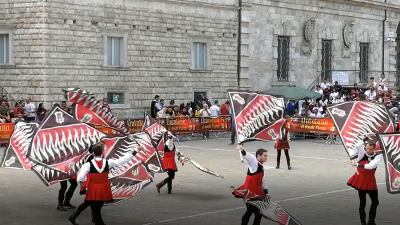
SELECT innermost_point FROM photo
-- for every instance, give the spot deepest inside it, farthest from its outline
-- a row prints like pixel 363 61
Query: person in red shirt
pixel 168 164
pixel 364 180
pixel 255 185
pixel 95 174
pixel 224 109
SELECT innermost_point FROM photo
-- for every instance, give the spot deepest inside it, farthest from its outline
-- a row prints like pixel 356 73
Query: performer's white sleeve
pixel 374 163
pixel 85 169
pixel 264 182
pixel 117 162
pixel 360 150
pixel 252 162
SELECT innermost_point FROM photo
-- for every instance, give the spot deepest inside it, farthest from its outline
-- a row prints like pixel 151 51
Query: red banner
pixel 311 125
pixel 6 130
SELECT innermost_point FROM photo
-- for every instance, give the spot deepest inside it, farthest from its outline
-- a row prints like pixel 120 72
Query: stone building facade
pixel 131 50
pixel 128 51
pixel 317 32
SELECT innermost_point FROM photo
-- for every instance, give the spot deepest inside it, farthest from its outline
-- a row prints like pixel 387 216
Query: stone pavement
pixel 315 191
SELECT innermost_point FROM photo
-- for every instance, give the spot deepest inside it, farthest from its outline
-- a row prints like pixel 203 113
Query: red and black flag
pixel 391 146
pixel 86 108
pixel 256 116
pixel 60 145
pixel 355 120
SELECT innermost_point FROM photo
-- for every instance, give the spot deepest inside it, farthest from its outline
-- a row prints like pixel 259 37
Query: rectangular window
pixel 4 49
pixel 283 58
pixel 326 59
pixel 364 59
pixel 199 55
pixel 114 51
pixel 115 97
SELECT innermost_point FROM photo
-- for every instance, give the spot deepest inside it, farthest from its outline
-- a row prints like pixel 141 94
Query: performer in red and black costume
pixel 283 144
pixel 255 185
pixel 168 164
pixel 364 179
pixel 95 173
pixel 65 198
pixel 84 204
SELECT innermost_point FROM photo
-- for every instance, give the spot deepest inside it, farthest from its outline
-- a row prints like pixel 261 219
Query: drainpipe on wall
pixel 239 41
pixel 383 41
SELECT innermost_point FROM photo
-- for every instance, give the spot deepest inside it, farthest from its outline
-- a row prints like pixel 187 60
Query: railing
pixel 350 77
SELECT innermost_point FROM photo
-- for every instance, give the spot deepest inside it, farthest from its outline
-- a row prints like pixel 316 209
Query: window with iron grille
pixel 4 49
pixel 115 97
pixel 283 58
pixel 326 59
pixel 364 59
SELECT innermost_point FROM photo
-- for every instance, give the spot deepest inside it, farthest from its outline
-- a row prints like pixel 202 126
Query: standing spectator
pixel 215 109
pixel 65 107
pixel 233 124
pixel 4 112
pixel 170 113
pixel 176 111
pixel 41 112
pixel 5 98
pixel 205 112
pixel 383 81
pixel 162 113
pixel 172 103
pixel 159 105
pixel 370 94
pixel 224 109
pixel 30 110
pixel 337 86
pixel 18 110
pixel 153 108
pixel 355 93
pixel 372 83
pixel 290 109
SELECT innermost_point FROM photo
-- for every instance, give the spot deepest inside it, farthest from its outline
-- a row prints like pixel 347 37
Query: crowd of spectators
pixel 201 108
pixel 334 93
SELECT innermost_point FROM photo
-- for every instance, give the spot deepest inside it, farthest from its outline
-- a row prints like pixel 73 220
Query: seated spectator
pixel 318 89
pixel 372 83
pixel 355 93
pixel 334 94
pixel 176 111
pixel 303 111
pixel 4 112
pixel 65 107
pixel 337 86
pixel 5 98
pixel 383 80
pixel 382 88
pixel 184 112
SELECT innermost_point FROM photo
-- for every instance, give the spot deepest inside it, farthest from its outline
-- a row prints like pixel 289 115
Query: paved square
pixel 315 191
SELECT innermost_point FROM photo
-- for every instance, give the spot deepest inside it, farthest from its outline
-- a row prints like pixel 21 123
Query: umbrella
pixel 291 92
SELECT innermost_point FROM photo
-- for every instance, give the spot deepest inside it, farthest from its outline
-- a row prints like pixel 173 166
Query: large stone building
pixel 131 50
pixel 128 50
pixel 304 41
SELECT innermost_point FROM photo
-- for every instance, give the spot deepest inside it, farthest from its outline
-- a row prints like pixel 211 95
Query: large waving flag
pixel 257 117
pixel 391 147
pixel 355 120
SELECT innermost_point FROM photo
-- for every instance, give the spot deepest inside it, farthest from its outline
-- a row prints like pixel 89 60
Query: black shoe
pixel 289 168
pixel 158 188
pixel 72 220
pixel 371 222
pixel 231 143
pixel 277 167
pixel 61 208
pixel 69 206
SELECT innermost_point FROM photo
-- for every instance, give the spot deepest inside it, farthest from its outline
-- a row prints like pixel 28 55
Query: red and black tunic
pixel 98 185
pixel 364 179
pixel 168 161
pixel 282 143
pixel 253 185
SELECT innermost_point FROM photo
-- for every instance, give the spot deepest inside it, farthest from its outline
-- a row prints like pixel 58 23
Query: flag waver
pixel 391 147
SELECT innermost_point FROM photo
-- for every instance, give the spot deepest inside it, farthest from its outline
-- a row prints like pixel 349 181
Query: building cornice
pixel 369 3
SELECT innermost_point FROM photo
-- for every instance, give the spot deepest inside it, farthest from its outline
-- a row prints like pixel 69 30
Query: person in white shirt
pixel 215 111
pixel 30 110
pixel 319 90
pixel 205 111
pixel 162 113
pixel 334 94
pixel 255 185
pixel 370 94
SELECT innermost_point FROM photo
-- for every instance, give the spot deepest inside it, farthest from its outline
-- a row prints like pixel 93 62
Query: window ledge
pixel 119 106
pixel 7 66
pixel 110 67
pixel 280 83
pixel 200 70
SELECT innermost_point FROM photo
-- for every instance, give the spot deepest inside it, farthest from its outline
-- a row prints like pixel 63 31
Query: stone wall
pixel 158 36
pixel 263 21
